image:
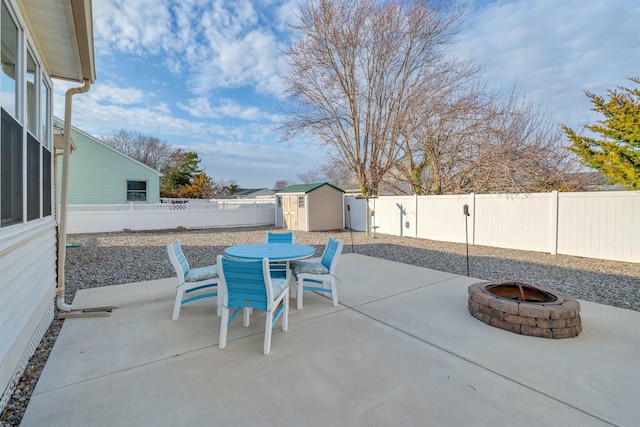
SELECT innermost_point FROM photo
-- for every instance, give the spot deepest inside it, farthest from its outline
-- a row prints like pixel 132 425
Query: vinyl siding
pixel 98 174
pixel 27 286
pixel 325 209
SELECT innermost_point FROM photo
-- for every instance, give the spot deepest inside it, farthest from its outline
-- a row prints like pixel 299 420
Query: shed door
pixel 301 212
pixel 289 212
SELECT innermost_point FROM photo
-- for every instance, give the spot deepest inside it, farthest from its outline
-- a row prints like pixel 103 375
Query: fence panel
pixel 223 213
pixel 355 211
pixel 517 221
pixel 395 215
pixel 97 218
pixel 157 217
pixel 441 218
pixel 603 225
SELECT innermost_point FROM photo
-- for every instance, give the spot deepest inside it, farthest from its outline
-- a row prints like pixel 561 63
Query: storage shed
pixel 310 207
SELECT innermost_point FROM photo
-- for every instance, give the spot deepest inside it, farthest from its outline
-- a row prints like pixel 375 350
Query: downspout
pixel 64 197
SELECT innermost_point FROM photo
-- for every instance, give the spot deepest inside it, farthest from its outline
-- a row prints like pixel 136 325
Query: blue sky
pixel 205 76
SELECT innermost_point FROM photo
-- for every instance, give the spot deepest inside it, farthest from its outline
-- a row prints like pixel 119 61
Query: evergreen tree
pixel 617 152
pixel 178 172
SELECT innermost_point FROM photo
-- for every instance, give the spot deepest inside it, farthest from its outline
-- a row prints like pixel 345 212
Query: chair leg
pixel 300 290
pixel 224 323
pixel 220 298
pixel 267 332
pixel 285 315
pixel 178 303
pixel 246 317
pixel 334 292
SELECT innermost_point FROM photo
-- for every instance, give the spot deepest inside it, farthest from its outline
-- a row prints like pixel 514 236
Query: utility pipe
pixel 64 197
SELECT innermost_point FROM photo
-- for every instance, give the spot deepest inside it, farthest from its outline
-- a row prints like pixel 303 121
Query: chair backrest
pixel 248 283
pixel 331 254
pixel 178 260
pixel 279 237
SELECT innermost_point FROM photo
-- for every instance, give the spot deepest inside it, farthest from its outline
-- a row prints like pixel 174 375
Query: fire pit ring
pixel 525 309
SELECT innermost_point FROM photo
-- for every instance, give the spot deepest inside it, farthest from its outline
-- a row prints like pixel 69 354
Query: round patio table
pixel 273 251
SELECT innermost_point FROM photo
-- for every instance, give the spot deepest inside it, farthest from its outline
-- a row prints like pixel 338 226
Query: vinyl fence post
pixel 472 203
pixel 415 219
pixel 130 216
pixel 553 223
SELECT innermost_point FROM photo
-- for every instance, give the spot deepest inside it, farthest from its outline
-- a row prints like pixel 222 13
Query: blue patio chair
pixel 248 285
pixel 279 237
pixel 321 272
pixel 279 269
pixel 196 281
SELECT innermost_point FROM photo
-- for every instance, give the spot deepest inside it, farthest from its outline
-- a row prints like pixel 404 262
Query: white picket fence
pixel 604 225
pixel 196 214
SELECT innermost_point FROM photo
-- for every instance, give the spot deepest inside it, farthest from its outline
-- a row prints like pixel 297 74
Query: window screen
pixel 33 178
pixel 11 168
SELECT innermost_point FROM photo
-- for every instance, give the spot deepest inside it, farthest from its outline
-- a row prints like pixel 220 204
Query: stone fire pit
pixel 525 309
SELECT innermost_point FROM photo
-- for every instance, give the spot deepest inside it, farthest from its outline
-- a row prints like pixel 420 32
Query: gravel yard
pixel 116 258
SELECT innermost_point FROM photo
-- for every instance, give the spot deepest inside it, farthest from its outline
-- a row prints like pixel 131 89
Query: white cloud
pixel 139 27
pixel 219 44
pixel 555 50
pixel 115 95
pixel 201 108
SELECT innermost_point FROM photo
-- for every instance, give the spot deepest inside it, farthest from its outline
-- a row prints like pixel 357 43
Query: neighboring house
pixel 252 193
pixel 351 189
pixel 310 207
pixel 100 174
pixel 41 40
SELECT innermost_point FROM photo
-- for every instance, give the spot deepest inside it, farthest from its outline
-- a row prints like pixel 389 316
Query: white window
pixel 30 77
pixel 25 146
pixel 8 74
pixel 136 191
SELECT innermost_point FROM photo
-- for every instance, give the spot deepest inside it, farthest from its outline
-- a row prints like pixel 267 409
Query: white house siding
pixel 325 209
pixel 98 174
pixel 27 286
pixel 57 36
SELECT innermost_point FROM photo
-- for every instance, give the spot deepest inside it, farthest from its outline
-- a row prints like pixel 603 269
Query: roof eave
pixel 83 20
pixel 62 31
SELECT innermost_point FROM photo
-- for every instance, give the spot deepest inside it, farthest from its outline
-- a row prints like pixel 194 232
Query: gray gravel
pixel 116 258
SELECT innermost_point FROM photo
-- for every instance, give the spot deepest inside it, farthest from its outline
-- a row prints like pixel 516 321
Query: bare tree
pixel 144 148
pixel 333 170
pixel 473 140
pixel 354 71
pixel 280 184
pixel 438 128
pixel 521 150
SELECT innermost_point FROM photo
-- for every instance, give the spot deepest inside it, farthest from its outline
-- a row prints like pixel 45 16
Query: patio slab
pixel 400 350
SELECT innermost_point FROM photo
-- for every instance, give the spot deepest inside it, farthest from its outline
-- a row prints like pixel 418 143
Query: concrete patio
pixel 401 349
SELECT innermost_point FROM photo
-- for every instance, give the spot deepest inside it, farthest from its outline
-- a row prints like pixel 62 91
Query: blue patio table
pixel 274 251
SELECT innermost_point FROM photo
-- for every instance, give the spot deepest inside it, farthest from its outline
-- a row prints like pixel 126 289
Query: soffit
pixel 63 34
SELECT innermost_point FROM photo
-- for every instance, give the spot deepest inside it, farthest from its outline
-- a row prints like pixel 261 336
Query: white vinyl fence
pixel 603 225
pixel 201 214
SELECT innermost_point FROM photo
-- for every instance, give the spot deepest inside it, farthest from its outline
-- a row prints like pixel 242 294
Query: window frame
pixel 134 191
pixel 36 202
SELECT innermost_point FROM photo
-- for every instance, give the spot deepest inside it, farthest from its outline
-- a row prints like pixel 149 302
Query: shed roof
pixel 306 188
